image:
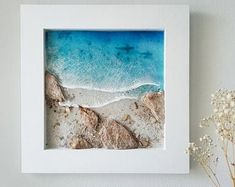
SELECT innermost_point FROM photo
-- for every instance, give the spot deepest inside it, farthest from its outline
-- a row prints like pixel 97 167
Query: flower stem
pixel 225 150
pixel 233 154
pixel 214 174
pixel 209 175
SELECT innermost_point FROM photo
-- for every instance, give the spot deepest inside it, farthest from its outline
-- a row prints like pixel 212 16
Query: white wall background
pixel 212 62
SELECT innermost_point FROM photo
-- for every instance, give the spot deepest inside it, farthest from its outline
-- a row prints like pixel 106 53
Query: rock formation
pixel 52 88
pixel 89 117
pixel 115 136
pixel 78 142
pixel 155 102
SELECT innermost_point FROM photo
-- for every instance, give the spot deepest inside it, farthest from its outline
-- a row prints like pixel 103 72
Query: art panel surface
pixel 104 89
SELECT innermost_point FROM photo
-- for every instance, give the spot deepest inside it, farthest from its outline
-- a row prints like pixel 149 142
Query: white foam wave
pixel 70 104
pixel 124 89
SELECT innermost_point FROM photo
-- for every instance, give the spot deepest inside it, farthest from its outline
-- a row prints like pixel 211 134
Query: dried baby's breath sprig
pixel 223 120
pixel 203 154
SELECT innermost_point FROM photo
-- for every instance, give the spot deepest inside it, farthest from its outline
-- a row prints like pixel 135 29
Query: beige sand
pixel 63 122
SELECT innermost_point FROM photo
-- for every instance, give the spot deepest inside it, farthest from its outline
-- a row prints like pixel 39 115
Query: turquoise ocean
pixel 126 64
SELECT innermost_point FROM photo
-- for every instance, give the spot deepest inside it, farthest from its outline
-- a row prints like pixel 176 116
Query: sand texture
pixel 135 122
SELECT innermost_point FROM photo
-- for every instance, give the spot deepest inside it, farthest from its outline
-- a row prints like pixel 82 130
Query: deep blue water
pixel 106 60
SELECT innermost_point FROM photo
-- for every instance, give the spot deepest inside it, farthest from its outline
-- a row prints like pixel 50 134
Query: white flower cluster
pixel 202 154
pixel 223 120
pixel 223 117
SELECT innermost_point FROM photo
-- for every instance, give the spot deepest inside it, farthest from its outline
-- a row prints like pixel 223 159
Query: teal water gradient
pixel 107 60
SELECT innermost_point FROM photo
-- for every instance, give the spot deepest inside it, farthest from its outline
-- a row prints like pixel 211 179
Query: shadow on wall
pixel 201 70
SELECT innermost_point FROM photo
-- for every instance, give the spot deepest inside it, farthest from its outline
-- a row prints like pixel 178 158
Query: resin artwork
pixel 104 89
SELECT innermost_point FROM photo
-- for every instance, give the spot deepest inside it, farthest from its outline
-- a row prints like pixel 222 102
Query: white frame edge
pixel 173 19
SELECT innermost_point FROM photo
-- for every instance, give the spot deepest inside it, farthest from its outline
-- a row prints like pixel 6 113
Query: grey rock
pixel 115 136
pixel 89 117
pixel 94 138
pixel 79 143
pixel 155 102
pixel 144 142
pixel 52 88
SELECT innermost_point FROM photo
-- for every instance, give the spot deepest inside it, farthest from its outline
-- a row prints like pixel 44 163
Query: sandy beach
pixel 65 121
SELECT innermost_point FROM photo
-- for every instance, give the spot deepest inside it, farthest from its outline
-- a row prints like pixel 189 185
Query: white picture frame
pixel 174 20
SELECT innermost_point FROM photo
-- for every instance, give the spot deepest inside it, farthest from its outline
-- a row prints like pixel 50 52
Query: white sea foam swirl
pixel 123 89
pixel 98 98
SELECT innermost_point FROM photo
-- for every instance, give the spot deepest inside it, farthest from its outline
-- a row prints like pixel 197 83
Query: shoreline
pixel 95 98
pixel 124 89
pixel 69 104
pixel 123 124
